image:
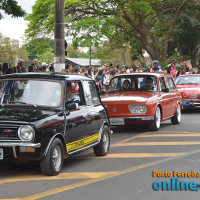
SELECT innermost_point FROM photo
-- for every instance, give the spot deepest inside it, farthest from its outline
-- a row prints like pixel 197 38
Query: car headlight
pixel 26 133
pixel 137 108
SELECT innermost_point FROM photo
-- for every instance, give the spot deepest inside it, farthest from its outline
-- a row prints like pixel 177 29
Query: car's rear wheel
pixel 102 148
pixel 52 163
pixel 155 124
pixel 176 119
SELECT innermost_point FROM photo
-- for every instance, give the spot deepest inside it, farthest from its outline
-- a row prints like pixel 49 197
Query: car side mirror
pixel 165 90
pixel 70 105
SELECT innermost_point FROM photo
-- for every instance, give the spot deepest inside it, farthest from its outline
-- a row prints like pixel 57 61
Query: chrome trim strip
pixel 47 148
pixel 168 117
pixel 19 144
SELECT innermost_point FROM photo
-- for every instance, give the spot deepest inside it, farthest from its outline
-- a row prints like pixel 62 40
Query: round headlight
pixel 26 133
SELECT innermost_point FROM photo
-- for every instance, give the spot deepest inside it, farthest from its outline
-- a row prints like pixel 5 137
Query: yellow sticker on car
pixel 83 142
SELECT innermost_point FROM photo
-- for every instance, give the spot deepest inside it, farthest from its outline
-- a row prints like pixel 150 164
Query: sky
pixel 14 27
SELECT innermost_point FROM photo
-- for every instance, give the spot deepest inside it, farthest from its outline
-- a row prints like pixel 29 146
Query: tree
pixel 149 21
pixel 12 8
pixel 10 51
pixel 188 38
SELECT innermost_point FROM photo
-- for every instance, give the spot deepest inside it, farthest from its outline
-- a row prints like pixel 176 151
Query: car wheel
pixel 102 148
pixel 176 119
pixel 155 124
pixel 52 163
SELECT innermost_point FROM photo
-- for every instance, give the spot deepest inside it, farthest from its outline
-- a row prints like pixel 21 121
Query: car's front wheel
pixel 52 163
pixel 176 119
pixel 155 124
pixel 102 148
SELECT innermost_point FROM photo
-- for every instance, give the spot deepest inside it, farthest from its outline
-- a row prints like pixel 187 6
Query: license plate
pixel 185 103
pixel 116 121
pixel 1 154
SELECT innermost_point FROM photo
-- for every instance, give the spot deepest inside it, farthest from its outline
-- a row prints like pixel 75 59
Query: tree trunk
pixel 194 57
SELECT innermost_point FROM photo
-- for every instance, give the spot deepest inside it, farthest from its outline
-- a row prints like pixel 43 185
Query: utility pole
pixel 90 60
pixel 59 36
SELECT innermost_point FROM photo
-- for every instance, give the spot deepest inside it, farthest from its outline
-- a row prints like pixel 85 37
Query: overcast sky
pixel 14 27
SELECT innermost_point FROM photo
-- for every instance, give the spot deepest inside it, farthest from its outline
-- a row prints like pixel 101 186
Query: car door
pixel 173 96
pixel 164 98
pixel 77 120
pixel 96 111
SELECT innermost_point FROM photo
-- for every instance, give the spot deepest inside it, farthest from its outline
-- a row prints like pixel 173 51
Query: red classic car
pixel 189 87
pixel 143 98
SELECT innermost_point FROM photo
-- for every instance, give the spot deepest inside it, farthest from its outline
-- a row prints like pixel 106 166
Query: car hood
pixel 137 96
pixel 24 115
pixel 190 88
pixel 189 91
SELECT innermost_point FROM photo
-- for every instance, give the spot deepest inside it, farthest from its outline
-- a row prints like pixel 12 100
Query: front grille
pixel 9 132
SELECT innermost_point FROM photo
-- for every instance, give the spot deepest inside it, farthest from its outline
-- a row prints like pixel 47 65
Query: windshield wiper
pixel 24 103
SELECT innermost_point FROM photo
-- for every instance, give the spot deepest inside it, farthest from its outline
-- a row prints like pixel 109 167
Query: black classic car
pixel 48 117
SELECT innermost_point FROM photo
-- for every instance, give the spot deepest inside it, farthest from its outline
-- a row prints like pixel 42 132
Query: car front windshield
pixel 30 92
pixel 188 80
pixel 134 83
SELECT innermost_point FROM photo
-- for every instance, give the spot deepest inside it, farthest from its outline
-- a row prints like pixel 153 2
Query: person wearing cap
pixel 156 67
pixel 20 66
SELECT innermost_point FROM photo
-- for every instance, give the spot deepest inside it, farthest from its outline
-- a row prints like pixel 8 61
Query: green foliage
pixel 12 8
pixel 47 56
pixel 10 51
pixel 42 49
pixel 90 22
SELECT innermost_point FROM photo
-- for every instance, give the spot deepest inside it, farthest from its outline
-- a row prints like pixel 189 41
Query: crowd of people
pixel 101 75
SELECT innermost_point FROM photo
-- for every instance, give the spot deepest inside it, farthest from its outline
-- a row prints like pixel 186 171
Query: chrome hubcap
pixel 178 113
pixel 157 117
pixel 57 157
pixel 105 141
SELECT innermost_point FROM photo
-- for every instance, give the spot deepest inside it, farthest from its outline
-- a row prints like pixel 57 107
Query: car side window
pixel 162 83
pixel 170 84
pixel 74 93
pixel 90 93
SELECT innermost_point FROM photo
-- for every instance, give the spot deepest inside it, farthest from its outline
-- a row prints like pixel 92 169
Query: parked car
pixel 189 87
pixel 50 117
pixel 141 98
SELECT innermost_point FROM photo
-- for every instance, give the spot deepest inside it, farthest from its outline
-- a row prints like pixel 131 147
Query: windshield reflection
pixel 34 92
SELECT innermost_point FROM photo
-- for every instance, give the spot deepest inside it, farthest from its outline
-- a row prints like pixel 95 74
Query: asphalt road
pixel 125 174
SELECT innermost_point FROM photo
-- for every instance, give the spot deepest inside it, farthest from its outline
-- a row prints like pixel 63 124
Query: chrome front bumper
pixel 139 118
pixel 19 144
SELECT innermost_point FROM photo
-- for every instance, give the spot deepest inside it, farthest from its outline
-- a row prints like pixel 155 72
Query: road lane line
pixel 155 144
pixel 76 175
pixel 175 132
pixel 138 155
pixel 90 181
pixel 131 138
pixel 171 135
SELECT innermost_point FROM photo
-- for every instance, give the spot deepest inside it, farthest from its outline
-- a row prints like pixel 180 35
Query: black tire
pixel 102 148
pixel 155 124
pixel 176 119
pixel 52 163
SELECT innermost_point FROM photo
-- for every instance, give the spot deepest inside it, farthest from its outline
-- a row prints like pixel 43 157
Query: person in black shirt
pixel 20 66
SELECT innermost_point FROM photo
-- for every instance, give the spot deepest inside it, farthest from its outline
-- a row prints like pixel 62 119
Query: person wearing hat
pixel 20 66
pixel 156 67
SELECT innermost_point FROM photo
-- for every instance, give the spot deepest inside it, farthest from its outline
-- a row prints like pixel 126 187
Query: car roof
pixel 189 75
pixel 48 75
pixel 158 74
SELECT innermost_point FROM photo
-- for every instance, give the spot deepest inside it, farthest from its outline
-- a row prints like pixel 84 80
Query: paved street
pixel 126 173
